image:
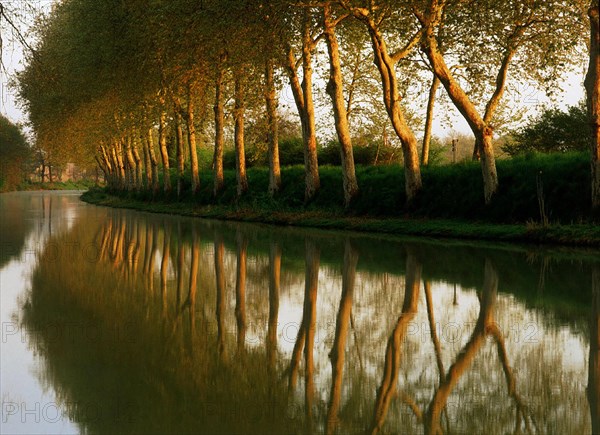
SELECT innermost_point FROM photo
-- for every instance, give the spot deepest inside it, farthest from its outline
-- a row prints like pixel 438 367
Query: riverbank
pixel 55 185
pixel 572 235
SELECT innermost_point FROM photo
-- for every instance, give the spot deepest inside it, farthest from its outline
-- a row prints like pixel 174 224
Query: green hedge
pixel 449 191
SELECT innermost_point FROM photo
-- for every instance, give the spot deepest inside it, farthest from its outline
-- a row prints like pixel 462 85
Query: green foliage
pixel 449 191
pixel 14 154
pixel 554 130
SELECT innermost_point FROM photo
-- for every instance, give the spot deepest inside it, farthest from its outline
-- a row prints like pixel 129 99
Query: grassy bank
pixel 450 204
pixel 55 185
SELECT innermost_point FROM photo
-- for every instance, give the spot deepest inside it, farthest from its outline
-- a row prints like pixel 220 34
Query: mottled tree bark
pixel 240 152
pixel 153 160
pixel 435 84
pixel 386 66
pixel 219 127
pixel 191 128
pixel 303 96
pixel 592 87
pixel 180 153
pixel 164 153
pixel 272 128
pixel 335 89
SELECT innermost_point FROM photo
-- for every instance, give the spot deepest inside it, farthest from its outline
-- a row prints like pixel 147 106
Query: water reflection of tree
pixel 388 389
pixel 187 352
pixel 306 332
pixel 593 389
pixel 338 352
pixel 485 326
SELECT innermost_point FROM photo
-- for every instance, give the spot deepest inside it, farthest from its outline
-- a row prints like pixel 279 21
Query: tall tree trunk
pixel 307 117
pixel 435 84
pixel 180 152
pixel 116 155
pixel 153 161
pixel 391 98
pixel 592 87
pixel 138 163
pixel 147 161
pixel 122 164
pixel 191 128
pixel 219 127
pixel 272 128
pixel 131 179
pixel 488 162
pixel 240 153
pixel 480 125
pixel 335 89
pixel 164 152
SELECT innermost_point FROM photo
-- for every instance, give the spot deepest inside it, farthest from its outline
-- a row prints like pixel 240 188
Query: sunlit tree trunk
pixel 303 96
pixel 118 157
pixel 391 99
pixel 435 84
pixel 592 86
pixel 219 127
pixel 179 152
pixel 272 128
pixel 192 143
pixel 338 353
pixel 138 164
pixel 164 152
pixel 240 153
pixel 153 161
pixel 313 182
pixel 480 125
pixel 147 161
pixel 335 89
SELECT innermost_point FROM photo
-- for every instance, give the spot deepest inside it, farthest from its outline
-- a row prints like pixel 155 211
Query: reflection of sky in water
pixel 548 356
pixel 29 405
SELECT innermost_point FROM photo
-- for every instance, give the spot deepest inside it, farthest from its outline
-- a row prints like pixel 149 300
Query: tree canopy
pixel 130 82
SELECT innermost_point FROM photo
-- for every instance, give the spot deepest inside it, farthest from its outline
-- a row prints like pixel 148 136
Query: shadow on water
pixel 158 324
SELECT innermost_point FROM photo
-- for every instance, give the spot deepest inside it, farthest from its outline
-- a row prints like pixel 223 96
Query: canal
pixel 117 321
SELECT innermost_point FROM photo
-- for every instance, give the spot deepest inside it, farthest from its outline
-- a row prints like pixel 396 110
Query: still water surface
pixel 119 321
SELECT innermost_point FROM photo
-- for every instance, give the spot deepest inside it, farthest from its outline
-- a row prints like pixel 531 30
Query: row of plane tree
pixel 115 79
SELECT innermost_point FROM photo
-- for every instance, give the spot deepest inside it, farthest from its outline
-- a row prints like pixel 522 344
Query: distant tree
pixel 14 153
pixel 554 130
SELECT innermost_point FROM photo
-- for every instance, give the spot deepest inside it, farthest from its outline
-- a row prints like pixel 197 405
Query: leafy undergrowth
pixel 449 205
